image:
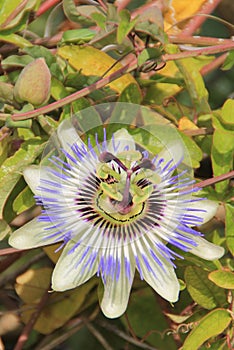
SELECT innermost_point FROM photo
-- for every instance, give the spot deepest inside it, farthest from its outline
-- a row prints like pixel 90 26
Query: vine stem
pixel 199 51
pixel 45 6
pixel 198 40
pixel 216 63
pixel 129 67
pixel 215 180
pixel 196 22
pixel 81 93
pixel 27 329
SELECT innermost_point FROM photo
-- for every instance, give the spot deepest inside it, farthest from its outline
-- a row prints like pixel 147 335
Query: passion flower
pixel 115 209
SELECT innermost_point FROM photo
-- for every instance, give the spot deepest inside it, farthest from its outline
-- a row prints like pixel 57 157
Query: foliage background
pixel 193 91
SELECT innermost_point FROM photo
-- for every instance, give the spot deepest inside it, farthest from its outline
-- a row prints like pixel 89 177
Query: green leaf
pixel 222 278
pixel 100 19
pixel 194 151
pixel 125 25
pixel 4 229
pixel 11 169
pixel 145 314
pixel 6 92
pixel 203 291
pixel 13 12
pixel 229 232
pixel 15 39
pixel 38 51
pixel 16 61
pixel 194 83
pixel 59 308
pixel 23 201
pixel 209 326
pixel 222 152
pixel 78 36
pixel 131 94
pixel 229 62
pixel 227 115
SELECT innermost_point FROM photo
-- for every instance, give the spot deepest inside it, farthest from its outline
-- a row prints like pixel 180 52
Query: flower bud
pixel 33 84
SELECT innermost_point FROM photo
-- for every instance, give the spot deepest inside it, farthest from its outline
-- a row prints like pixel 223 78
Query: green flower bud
pixel 33 84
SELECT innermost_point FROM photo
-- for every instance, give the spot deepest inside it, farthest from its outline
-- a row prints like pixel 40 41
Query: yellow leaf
pixel 92 61
pixel 32 284
pixel 59 309
pixel 50 251
pixel 179 10
pixel 186 124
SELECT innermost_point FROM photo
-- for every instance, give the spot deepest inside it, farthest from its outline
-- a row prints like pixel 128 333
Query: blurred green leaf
pixel 16 61
pixel 4 229
pixel 195 85
pixel 144 314
pixel 15 39
pixel 12 12
pixel 6 92
pixel 60 307
pixel 11 169
pixel 209 326
pixel 229 62
pixel 203 291
pixel 131 94
pixel 23 201
pixel 227 115
pixel 222 153
pixel 222 278
pixel 125 25
pixel 229 232
pixel 38 51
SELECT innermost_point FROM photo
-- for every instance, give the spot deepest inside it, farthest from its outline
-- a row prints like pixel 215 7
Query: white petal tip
pixel 207 250
pixel 112 310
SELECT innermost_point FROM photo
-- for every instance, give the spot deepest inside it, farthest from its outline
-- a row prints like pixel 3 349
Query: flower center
pixel 123 183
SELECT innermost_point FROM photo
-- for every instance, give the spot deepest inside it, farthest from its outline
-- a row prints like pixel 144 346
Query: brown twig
pixel 81 93
pixel 8 251
pixel 45 6
pixel 198 40
pixel 21 269
pixel 98 336
pixel 106 80
pixel 215 180
pixel 125 336
pixel 29 326
pixel 200 51
pixel 216 63
pixel 196 22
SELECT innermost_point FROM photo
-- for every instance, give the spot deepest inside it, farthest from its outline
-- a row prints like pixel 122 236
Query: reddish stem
pixel 198 40
pixel 203 51
pixel 29 326
pixel 45 6
pixel 81 93
pixel 196 22
pixel 8 251
pixel 215 180
pixel 216 63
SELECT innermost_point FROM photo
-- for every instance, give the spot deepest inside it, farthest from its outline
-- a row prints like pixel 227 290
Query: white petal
pixel 67 135
pixel 31 235
pixel 173 151
pixel 209 207
pixel 116 292
pixel 207 250
pixel 74 267
pixel 122 141
pixel 161 278
pixel 33 174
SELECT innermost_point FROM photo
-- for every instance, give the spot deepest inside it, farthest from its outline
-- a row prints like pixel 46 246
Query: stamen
pixel 106 157
pixel 145 164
